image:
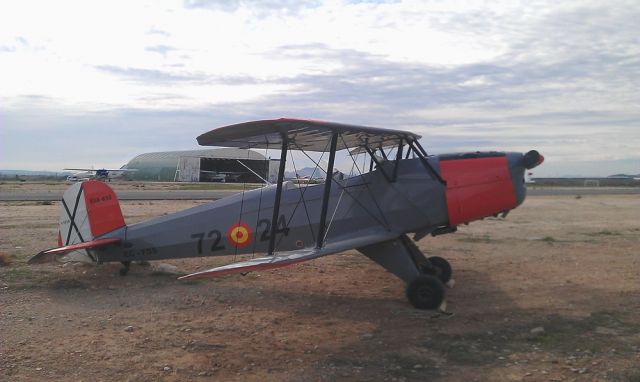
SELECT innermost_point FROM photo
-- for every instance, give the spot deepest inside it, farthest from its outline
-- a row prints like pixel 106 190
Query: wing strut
pixel 422 154
pixel 398 158
pixel 276 204
pixel 372 154
pixel 327 189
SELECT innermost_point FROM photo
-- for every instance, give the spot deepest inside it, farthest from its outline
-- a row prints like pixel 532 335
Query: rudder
pixel 88 210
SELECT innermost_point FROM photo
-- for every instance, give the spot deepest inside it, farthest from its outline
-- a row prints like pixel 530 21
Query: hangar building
pixel 209 165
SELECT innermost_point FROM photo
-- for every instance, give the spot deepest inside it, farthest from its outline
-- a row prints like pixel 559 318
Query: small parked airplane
pixel 299 179
pixel 407 192
pixel 99 174
pixel 219 176
pixel 79 177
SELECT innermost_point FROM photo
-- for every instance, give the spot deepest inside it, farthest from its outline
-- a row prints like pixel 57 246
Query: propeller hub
pixel 532 159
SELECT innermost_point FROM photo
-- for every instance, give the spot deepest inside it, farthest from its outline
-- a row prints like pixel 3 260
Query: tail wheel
pixel 440 268
pixel 125 268
pixel 425 292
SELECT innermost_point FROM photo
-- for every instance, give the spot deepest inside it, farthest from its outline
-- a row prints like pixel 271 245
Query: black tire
pixel 441 269
pixel 425 292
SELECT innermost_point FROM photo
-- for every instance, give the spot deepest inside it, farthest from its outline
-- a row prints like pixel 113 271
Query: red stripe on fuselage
pixel 477 188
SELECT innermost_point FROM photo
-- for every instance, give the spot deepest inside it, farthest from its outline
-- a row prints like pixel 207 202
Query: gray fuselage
pixel 241 224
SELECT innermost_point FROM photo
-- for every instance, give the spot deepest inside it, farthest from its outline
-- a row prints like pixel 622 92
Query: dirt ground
pixel 552 293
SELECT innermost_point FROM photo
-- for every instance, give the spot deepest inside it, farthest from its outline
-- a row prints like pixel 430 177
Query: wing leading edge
pixel 292 257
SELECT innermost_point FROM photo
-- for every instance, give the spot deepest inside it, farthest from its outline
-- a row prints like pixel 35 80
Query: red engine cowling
pixel 477 188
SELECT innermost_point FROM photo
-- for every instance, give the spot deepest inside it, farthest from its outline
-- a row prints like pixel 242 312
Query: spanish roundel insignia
pixel 240 235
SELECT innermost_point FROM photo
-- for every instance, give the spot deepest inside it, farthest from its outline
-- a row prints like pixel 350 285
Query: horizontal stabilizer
pixel 292 257
pixel 44 255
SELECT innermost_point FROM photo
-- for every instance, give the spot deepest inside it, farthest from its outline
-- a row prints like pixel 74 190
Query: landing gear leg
pixel 433 266
pixel 438 267
pixel 125 268
pixel 425 277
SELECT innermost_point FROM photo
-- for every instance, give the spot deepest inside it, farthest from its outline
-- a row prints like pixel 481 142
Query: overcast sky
pixel 96 83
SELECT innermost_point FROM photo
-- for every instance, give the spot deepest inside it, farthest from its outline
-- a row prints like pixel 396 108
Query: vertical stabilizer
pixel 88 210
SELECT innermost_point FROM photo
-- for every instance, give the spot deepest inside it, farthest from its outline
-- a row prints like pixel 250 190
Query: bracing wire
pixel 303 191
pixel 244 184
pixel 333 215
pixel 386 223
pixel 373 216
pixel 255 230
pixel 342 192
pixel 317 164
pixel 304 203
pixel 408 200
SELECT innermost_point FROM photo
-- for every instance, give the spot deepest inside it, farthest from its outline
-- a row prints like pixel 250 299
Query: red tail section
pixel 103 208
pixel 89 209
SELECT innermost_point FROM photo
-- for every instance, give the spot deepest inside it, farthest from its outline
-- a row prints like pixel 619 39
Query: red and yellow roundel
pixel 240 235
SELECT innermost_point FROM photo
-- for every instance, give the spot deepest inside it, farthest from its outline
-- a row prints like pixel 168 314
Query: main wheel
pixel 440 268
pixel 425 292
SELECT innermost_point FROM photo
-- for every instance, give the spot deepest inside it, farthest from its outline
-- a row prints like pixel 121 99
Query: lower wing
pixel 293 257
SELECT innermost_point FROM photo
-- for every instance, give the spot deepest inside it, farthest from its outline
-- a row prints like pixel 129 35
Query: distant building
pixel 587 182
pixel 209 165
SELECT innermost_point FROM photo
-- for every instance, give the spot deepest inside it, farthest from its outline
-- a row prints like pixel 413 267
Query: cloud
pixel 263 7
pixel 558 76
pixel 553 106
pixel 159 32
pixel 160 49
pixel 14 45
pixel 505 84
pixel 150 76
pixel 161 77
pixel 105 139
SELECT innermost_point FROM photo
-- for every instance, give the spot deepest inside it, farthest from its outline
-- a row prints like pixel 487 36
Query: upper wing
pixel 301 134
pixel 293 257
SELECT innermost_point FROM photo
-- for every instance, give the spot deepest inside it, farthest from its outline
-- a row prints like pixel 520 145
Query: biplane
pixel 99 174
pixel 401 190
